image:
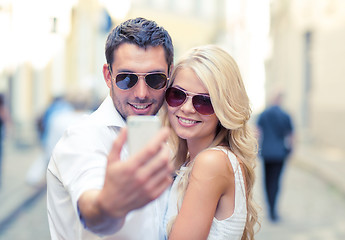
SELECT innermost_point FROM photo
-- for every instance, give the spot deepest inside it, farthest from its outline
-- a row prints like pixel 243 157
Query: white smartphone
pixel 140 131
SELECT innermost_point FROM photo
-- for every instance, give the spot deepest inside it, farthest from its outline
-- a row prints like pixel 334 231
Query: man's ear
pixel 170 70
pixel 107 75
pixel 170 73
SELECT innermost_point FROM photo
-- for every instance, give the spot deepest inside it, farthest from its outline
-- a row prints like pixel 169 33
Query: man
pixel 276 131
pixel 3 117
pixel 91 192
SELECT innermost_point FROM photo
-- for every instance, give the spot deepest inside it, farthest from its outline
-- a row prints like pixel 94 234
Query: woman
pixel 208 110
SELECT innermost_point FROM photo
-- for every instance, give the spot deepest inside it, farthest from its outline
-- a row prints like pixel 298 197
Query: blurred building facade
pixel 307 60
pixel 33 42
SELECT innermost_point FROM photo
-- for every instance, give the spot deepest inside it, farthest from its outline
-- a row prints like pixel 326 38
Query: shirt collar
pixel 108 115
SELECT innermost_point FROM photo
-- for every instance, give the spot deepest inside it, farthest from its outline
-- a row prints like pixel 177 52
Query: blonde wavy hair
pixel 221 76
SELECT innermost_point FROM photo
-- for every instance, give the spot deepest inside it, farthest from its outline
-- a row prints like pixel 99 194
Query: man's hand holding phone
pixel 129 184
pixel 142 178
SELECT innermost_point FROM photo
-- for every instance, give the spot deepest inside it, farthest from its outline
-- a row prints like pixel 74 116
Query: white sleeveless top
pixel 229 228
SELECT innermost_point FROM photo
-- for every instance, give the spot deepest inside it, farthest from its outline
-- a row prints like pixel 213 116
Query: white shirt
pixel 78 164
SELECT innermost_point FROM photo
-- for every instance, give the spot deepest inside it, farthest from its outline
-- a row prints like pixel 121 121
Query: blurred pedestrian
pixel 4 120
pixel 58 104
pixel 63 112
pixel 276 131
pixel 35 175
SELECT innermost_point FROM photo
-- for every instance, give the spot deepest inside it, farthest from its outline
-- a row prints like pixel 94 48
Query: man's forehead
pixel 133 58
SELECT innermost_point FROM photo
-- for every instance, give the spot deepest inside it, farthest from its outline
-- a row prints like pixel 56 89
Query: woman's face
pixel 185 120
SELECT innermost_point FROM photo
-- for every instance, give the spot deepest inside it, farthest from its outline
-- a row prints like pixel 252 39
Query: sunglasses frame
pixel 138 76
pixel 189 95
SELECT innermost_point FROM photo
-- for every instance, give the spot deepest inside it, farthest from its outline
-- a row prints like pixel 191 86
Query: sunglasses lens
pixel 156 80
pixel 175 97
pixel 126 81
pixel 203 104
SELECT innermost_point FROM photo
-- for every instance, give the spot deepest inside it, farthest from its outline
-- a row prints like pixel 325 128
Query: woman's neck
pixel 196 146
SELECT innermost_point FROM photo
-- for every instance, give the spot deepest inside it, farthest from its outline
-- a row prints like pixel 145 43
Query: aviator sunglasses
pixel 201 103
pixel 125 81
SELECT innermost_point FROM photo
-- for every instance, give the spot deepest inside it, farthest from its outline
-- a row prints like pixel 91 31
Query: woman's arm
pixel 209 180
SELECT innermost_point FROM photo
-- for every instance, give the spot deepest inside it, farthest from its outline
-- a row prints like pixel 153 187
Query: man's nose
pixel 141 89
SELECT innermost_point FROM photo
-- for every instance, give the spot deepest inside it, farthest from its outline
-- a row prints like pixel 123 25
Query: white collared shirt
pixel 78 164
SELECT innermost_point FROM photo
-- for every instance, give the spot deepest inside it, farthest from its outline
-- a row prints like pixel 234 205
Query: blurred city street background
pixel 54 50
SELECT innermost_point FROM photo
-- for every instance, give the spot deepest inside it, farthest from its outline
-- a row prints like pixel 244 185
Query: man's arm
pixel 128 184
pixel 93 216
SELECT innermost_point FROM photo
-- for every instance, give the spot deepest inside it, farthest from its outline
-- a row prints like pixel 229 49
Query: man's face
pixel 140 99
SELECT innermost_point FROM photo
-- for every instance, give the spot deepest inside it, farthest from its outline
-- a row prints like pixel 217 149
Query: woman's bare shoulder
pixel 212 163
